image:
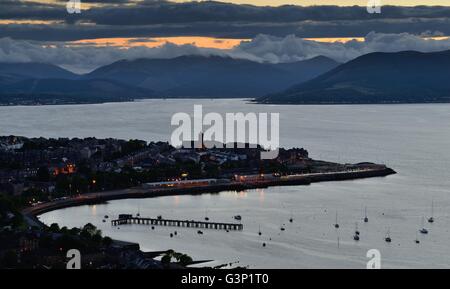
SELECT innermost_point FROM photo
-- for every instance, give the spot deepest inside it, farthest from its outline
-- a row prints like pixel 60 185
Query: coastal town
pixel 39 175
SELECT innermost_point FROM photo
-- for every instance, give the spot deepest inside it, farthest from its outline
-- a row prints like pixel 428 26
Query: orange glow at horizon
pixel 31 22
pixel 199 41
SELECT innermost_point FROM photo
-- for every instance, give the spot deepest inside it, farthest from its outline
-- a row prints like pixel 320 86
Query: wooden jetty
pixel 177 223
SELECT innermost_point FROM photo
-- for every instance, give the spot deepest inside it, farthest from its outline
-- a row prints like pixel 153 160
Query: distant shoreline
pixel 349 103
pixel 247 100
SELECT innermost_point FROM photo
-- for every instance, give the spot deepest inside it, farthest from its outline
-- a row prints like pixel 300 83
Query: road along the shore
pixel 30 213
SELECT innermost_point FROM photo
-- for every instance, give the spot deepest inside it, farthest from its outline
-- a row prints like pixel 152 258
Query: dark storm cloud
pixel 160 18
pixel 164 12
pixel 27 10
pixel 306 29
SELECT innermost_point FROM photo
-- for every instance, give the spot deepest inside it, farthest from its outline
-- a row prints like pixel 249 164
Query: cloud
pixel 153 18
pixel 85 57
pixel 149 12
pixel 292 48
pixel 305 29
pixel 263 48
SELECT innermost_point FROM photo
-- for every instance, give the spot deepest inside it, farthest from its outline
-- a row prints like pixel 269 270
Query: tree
pixel 184 259
pixel 97 237
pixel 107 241
pixel 75 231
pixel 166 259
pixel 90 229
pixel 54 228
pixel 181 258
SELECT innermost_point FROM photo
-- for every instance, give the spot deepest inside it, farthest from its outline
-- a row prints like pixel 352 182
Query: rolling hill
pixel 402 77
pixel 213 76
pixel 185 76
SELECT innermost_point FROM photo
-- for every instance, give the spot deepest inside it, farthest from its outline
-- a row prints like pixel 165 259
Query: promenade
pixel 140 192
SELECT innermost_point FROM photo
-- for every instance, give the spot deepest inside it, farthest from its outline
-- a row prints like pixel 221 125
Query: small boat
pixel 423 230
pixel 356 229
pixel 417 241
pixel 106 216
pixel 264 244
pixel 159 217
pixel 291 219
pixel 171 235
pixel 104 221
pixel 431 219
pixel 206 215
pixel 238 217
pixel 199 232
pixel 356 237
pixel 175 233
pixel 366 219
pixel 259 231
pixel 336 225
pixel 388 236
pixel 282 229
pixel 153 227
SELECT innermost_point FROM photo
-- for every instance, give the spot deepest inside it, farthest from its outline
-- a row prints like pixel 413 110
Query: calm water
pixel 412 139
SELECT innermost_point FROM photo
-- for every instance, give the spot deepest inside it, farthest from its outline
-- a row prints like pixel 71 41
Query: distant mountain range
pixel 213 76
pixel 31 83
pixel 403 77
pixel 34 70
pixel 185 76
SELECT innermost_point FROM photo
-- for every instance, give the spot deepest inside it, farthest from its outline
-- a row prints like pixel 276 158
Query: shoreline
pixel 30 214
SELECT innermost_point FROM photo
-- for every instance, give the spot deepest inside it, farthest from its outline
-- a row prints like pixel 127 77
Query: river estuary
pixel 414 140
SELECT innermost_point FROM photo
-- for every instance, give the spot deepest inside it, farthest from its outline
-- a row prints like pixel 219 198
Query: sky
pixel 339 2
pixel 321 2
pixel 110 30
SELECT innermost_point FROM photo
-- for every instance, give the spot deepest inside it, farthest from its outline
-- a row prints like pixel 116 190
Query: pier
pixel 177 223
